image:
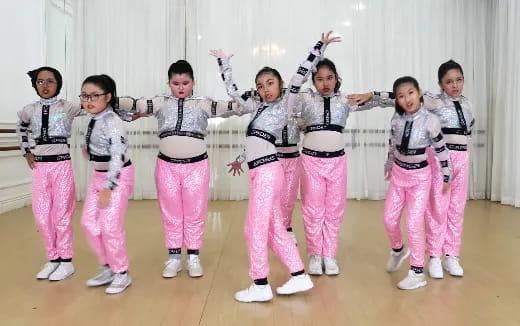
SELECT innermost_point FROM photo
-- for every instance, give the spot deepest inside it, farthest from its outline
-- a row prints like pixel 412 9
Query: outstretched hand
pixel 359 98
pixel 236 167
pixel 220 54
pixel 328 37
pixel 139 115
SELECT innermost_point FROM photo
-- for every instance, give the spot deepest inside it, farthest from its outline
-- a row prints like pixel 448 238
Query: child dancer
pixel 288 154
pixel 264 225
pixel 413 130
pixel 324 177
pixel 111 184
pixel 53 192
pixel 182 170
pixel 445 211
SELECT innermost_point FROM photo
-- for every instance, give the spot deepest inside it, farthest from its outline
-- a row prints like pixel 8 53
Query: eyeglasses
pixel 48 82
pixel 90 97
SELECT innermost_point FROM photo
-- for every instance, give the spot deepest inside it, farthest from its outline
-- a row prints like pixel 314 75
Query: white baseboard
pixel 15 202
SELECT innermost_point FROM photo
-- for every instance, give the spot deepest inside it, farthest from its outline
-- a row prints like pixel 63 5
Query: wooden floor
pixel 363 294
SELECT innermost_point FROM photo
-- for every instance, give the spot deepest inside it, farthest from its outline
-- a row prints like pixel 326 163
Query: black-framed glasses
pixel 90 97
pixel 41 82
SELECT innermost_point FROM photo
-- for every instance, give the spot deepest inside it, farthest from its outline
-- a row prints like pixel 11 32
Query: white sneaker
pixel 452 266
pixel 296 284
pixel 194 267
pixel 172 267
pixel 63 271
pixel 293 237
pixel 331 266
pixel 119 284
pixel 412 281
pixel 47 270
pixel 396 259
pixel 255 293
pixel 435 268
pixel 104 277
pixel 315 265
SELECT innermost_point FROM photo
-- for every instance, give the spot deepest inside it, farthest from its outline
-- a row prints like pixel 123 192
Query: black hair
pixel 398 82
pixel 33 74
pixel 329 64
pixel 447 66
pixel 106 83
pixel 180 67
pixel 274 72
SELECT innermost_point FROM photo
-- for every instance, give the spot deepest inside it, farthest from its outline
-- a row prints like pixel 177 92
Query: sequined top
pixel 330 112
pixel 184 116
pixel 455 115
pixel 290 133
pixel 267 119
pixel 107 145
pixel 50 122
pixel 411 134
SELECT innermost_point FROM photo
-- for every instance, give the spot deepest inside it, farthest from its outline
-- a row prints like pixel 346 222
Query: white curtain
pixel 505 87
pixel 135 42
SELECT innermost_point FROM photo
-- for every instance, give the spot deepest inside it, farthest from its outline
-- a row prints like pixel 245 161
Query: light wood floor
pixel 364 294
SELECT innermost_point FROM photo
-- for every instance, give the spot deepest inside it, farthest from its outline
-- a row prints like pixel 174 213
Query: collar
pixel 48 101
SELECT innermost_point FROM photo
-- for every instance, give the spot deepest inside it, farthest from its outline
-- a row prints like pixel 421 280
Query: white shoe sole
pixel 167 275
pixel 61 278
pixel 195 275
pixel 331 273
pixel 264 299
pixel 306 287
pixel 418 285
pixel 116 291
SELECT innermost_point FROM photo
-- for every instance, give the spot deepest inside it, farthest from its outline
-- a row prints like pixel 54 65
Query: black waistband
pixel 261 134
pixel 261 161
pixel 457 147
pixel 310 152
pixel 51 140
pixel 127 163
pixel 286 145
pixel 198 158
pixel 181 133
pixel 52 158
pixel 99 158
pixel 454 131
pixel 312 128
pixel 411 166
pixel 411 151
pixel 288 155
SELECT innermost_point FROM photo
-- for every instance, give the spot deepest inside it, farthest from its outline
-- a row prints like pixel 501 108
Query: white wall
pixel 23 48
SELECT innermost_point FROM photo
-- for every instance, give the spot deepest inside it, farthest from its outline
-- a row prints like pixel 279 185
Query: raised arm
pixel 294 99
pixel 226 72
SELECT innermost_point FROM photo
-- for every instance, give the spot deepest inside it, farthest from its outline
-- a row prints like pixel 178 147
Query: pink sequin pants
pixel 104 228
pixel 264 222
pixel 323 191
pixel 53 203
pixel 410 188
pixel 445 212
pixel 291 170
pixel 182 190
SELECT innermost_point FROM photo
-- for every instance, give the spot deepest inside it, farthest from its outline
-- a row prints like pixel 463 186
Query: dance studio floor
pixel 363 294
